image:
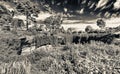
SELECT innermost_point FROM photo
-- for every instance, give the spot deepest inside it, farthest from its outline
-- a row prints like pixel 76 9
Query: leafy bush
pixel 53 22
pixel 101 23
pixel 9 41
pixel 45 63
pixel 88 29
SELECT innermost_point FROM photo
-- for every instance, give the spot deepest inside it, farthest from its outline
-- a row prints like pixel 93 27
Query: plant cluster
pixel 96 57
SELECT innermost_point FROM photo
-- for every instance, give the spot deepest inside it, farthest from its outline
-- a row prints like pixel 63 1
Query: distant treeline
pixel 93 7
pixel 89 6
pixel 69 2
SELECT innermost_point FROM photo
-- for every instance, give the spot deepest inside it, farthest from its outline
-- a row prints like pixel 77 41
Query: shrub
pixel 101 23
pixel 53 22
pixel 88 29
pixel 37 55
pixel 45 63
pixel 74 32
pixel 66 47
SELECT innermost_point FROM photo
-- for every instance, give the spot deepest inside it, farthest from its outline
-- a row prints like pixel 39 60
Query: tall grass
pixel 93 58
pixel 16 66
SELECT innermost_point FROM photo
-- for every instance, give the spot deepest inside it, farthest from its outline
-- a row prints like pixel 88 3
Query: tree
pixel 28 9
pixel 101 23
pixel 54 22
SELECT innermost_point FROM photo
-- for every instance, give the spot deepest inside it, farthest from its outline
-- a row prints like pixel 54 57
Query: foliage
pixel 89 7
pixel 53 22
pixel 15 67
pixel 93 57
pixel 96 57
pixel 3 10
pixel 101 23
pixel 88 29
pixel 9 41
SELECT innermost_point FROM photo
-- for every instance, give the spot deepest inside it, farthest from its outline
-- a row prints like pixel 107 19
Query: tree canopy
pixel 102 7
